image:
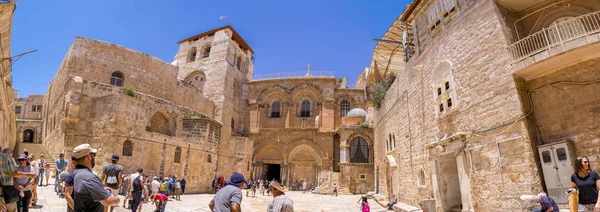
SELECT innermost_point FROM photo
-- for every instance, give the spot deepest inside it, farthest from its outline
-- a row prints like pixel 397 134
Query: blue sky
pixel 286 35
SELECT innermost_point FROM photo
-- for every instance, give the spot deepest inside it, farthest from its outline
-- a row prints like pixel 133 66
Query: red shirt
pixel 160 197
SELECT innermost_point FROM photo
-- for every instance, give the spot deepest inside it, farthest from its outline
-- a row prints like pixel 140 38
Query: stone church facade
pixel 29 118
pixel 203 115
pixel 485 95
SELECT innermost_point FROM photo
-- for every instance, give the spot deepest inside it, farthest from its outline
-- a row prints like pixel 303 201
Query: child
pixel 365 205
pixel 160 200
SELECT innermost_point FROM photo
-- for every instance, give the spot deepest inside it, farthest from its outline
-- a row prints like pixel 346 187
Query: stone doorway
pixel 28 136
pixel 448 182
pixel 273 172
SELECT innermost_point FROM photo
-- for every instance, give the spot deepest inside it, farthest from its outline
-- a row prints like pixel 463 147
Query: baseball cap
pixel 236 179
pixel 115 157
pixel 82 150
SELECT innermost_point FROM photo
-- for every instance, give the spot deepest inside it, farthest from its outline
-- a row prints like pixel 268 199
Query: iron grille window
pixel 177 158
pixel 344 108
pixel 116 79
pixel 359 150
pixel 18 109
pixel 305 112
pixel 127 148
pixel 275 110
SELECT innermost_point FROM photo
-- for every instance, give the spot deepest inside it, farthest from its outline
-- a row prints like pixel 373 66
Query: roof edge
pixel 235 36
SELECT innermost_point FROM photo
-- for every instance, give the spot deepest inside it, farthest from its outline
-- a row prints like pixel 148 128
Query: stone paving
pixel 48 201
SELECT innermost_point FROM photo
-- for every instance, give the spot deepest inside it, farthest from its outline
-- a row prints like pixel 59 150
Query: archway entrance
pixel 274 172
pixel 28 136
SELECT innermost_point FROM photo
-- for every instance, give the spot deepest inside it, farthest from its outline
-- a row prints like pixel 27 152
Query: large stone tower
pixel 219 63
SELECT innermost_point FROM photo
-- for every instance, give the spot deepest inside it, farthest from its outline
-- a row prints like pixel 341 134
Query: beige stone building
pixel 29 119
pixel 7 114
pixel 203 115
pixel 490 97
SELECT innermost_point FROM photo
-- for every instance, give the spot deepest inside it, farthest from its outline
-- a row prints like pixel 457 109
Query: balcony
pixel 579 36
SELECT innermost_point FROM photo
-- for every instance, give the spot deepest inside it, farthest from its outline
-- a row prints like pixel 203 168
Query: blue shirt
pixel 61 164
pixel 548 203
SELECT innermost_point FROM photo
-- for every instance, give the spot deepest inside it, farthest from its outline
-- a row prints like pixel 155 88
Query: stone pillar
pixel 282 174
pixel 463 180
pixel 343 150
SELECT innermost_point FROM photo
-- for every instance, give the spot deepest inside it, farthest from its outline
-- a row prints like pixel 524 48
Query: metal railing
pixel 293 74
pixel 556 34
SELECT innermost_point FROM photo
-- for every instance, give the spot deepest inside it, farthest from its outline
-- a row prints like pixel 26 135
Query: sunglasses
pixel 586 162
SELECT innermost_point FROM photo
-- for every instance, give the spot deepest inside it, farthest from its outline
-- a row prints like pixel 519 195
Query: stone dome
pixel 356 112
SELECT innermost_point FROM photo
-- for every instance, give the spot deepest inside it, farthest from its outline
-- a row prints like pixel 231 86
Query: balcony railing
pixel 293 75
pixel 555 35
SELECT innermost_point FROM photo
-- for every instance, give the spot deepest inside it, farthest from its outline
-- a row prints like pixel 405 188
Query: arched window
pixel 177 158
pixel 206 50
pixel 160 124
pixel 28 136
pixel 209 158
pixel 117 79
pixel 444 93
pixel 359 150
pixel 192 55
pixel 305 112
pixel 239 63
pixel 127 148
pixel 344 108
pixel 275 110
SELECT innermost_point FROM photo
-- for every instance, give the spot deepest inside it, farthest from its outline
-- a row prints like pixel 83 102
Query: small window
pixel 192 55
pixel 546 157
pixel 18 109
pixel 305 112
pixel 449 102
pixel 442 107
pixel 209 158
pixel 239 63
pixel 177 158
pixel 422 177
pixel 127 148
pixel 363 176
pixel 447 85
pixel 206 51
pixel 439 91
pixel 232 124
pixel 561 154
pixel 117 79
pixel 275 110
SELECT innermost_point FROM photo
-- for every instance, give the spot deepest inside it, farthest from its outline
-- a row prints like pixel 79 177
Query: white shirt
pixel 155 185
pixel 281 203
pixel 178 185
pixel 132 178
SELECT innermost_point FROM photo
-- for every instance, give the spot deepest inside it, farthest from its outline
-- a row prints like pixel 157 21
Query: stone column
pixel 343 154
pixel 463 180
pixel 282 174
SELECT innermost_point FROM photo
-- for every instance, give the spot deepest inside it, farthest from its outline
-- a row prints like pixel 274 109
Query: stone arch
pixel 359 134
pixel 117 78
pixel 162 124
pixel 304 152
pixel 127 148
pixel 275 90
pixel 444 87
pixel 307 89
pixel 28 136
pixel 196 78
pixel 360 151
pixel 177 155
pixel 306 142
pixel 269 150
pixel 206 50
pixel 571 11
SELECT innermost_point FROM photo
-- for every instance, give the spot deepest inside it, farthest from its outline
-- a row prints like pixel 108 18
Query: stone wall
pixel 485 97
pixel 29 117
pixel 567 111
pixel 7 96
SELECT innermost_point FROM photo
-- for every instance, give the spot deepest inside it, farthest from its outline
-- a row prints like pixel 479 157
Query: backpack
pixel 137 184
pixel 111 176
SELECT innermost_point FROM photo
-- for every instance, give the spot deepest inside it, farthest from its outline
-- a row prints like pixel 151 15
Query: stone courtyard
pixel 48 201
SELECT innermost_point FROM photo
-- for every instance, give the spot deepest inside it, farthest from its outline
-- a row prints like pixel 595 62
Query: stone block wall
pixel 473 42
pixel 29 107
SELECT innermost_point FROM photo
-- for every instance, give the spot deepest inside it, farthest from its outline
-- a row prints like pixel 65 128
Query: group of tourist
pixel 228 197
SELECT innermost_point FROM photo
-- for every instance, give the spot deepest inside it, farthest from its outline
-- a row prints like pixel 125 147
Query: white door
pixel 564 164
pixel 549 167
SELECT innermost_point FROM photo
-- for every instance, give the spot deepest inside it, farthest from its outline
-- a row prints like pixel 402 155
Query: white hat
pixel 82 150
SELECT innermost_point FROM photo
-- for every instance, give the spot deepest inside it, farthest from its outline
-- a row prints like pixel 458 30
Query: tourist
pixel 229 198
pixel 47 166
pixel 248 187
pixel 145 194
pixel 169 193
pixel 364 204
pixel 161 201
pixel 9 169
pixel 303 186
pixel 137 188
pixel 586 182
pixel 60 165
pixel 173 182
pixel 89 195
pixel 334 190
pixel 262 187
pixel 42 165
pixel 125 190
pixel 155 185
pixel 23 184
pixel 392 202
pixel 69 180
pixel 112 176
pixel 177 190
pixel 183 183
pixel 547 203
pixel 35 166
pixel 163 187
pixel 281 202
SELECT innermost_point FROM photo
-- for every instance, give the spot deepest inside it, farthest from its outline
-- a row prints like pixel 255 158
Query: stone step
pixel 35 149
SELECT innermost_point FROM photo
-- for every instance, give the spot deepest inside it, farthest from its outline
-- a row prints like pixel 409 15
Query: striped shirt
pixel 281 203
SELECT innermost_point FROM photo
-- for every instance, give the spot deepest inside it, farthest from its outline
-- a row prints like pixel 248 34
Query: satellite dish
pixel 404 35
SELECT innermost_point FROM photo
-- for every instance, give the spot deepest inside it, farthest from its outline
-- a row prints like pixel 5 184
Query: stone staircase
pixel 36 150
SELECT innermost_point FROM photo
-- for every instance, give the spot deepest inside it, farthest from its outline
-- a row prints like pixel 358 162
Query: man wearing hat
pixel 281 203
pixel 89 195
pixel 229 198
pixel 8 170
pixel 112 175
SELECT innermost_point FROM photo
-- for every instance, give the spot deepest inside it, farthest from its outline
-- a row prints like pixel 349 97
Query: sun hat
pixel 278 187
pixel 236 179
pixel 22 157
pixel 82 150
